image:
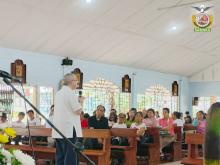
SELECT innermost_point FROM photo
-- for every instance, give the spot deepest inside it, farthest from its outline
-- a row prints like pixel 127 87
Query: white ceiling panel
pixel 135 33
pixel 106 43
pixel 121 12
pixel 30 28
pixel 59 40
pixel 10 16
pixel 125 52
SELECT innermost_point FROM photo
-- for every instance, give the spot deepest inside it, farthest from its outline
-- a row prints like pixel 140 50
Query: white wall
pixel 44 69
pixel 211 73
pixel 205 83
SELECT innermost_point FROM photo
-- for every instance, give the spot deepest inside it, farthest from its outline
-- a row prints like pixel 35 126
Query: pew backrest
pixel 189 127
pixel 129 133
pixel 155 133
pixel 45 132
pixel 178 132
pixel 194 138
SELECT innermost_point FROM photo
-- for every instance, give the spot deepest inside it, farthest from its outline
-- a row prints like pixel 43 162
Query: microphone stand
pixel 51 124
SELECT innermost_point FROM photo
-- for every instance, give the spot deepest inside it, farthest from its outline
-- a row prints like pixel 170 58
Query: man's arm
pixel 76 104
pixel 81 100
pixel 78 112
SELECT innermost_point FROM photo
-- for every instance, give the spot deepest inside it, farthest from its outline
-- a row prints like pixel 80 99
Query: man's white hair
pixel 68 78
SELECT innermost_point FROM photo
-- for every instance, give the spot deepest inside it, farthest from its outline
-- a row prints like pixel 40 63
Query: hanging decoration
pixel 126 84
pixel 18 69
pixel 175 89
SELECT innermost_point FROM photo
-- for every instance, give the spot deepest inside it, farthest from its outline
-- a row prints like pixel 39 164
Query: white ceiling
pixel 131 33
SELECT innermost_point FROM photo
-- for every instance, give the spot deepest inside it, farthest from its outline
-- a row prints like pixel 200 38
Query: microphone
pixel 5 74
pixel 80 97
pixel 80 93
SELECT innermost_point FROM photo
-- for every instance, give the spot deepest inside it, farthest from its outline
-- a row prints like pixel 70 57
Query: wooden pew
pixel 102 155
pixel 41 152
pixel 192 140
pixel 128 151
pixel 153 148
pixel 177 144
pixel 189 128
pixel 46 152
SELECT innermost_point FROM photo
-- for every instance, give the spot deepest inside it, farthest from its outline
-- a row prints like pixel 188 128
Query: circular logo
pixel 202 20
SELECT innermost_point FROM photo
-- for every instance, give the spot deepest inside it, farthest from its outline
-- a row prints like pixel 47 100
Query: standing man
pixel 68 108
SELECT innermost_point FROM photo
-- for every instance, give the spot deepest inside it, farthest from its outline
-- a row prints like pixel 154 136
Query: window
pixel 204 104
pixel 19 103
pixel 101 91
pixel 46 99
pixel 157 97
pixel 122 102
pixel 6 98
pixel 16 104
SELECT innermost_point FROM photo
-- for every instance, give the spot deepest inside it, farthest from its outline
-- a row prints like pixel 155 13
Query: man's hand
pixel 81 99
pixel 78 112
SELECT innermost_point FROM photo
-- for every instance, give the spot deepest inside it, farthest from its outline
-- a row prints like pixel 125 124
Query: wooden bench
pixel 41 152
pixel 189 128
pixel 128 151
pixel 193 140
pixel 153 148
pixel 102 156
pixel 46 152
pixel 177 144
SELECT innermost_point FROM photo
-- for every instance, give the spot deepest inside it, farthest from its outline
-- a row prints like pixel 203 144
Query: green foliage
pixel 2 159
pixel 15 162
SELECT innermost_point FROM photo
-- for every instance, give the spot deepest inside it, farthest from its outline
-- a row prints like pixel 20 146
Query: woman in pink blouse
pixel 166 124
pixel 151 121
pixel 200 122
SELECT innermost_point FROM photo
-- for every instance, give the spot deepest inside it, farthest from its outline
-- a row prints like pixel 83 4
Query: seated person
pixel 141 151
pixel 96 122
pixel 84 121
pixel 157 115
pixel 112 119
pixel 33 121
pixel 113 110
pixel 121 121
pixel 151 121
pixel 120 124
pixel 4 122
pixel 176 119
pixel 187 118
pixel 138 124
pixel 166 124
pixel 19 123
pixel 50 116
pixel 200 122
pixel 130 118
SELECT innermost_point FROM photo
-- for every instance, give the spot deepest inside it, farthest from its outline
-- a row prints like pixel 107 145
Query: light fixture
pixel 174 28
pixel 88 1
